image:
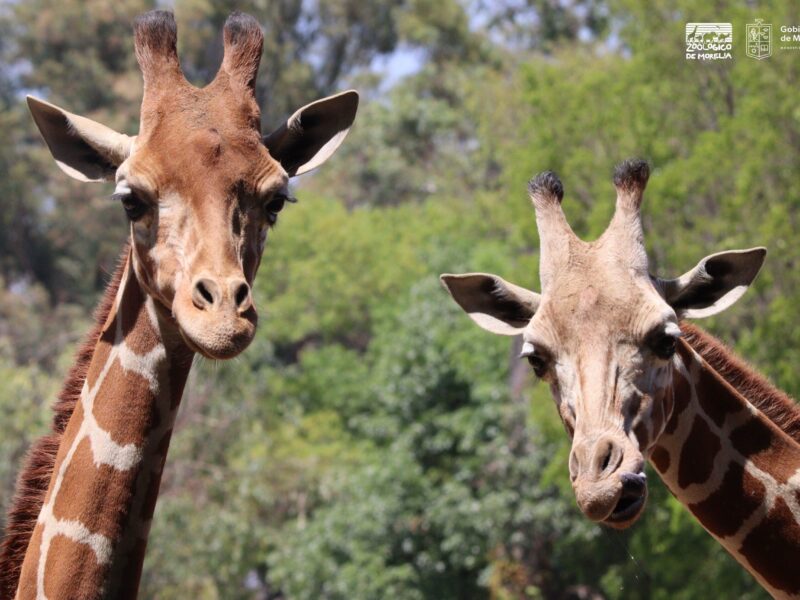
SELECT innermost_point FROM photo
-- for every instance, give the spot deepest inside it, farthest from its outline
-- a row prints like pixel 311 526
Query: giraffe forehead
pixel 589 324
pixel 601 281
pixel 187 107
pixel 579 307
pixel 205 165
pixel 204 138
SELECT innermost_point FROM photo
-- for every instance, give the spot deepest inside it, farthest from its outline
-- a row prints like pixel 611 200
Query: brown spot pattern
pixel 127 419
pixel 724 511
pixel 101 353
pixel 682 395
pixel 97 496
pixel 762 444
pixel 669 404
pixel 656 421
pixel 35 477
pixel 642 435
pixel 660 459
pixel 698 453
pixel 779 408
pixel 66 442
pixel 138 332
pixel 62 581
pixel 773 549
pixel 716 400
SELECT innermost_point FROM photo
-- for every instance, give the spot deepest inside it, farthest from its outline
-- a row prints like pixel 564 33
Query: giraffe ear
pixel 83 149
pixel 493 303
pixel 714 284
pixel 313 133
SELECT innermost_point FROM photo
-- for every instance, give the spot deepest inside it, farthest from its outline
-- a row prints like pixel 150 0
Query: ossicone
pixel 155 39
pixel 555 234
pixel 630 179
pixel 546 188
pixel 244 42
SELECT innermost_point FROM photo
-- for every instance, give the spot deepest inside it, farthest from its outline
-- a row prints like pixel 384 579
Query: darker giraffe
pixel 200 187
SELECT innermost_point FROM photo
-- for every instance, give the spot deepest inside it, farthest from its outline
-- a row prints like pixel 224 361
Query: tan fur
pixel 603 334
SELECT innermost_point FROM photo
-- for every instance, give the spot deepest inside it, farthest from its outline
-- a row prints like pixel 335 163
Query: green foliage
pixel 24 401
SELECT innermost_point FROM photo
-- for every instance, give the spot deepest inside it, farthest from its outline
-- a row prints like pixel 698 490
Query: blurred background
pixel 372 442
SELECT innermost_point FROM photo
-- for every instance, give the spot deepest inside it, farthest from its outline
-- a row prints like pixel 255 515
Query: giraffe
pixel 634 381
pixel 200 187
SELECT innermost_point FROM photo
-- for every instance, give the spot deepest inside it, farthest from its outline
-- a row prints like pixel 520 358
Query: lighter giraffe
pixel 632 384
pixel 201 188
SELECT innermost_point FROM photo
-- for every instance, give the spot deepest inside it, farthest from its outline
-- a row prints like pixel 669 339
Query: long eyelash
pixel 287 198
pixel 120 196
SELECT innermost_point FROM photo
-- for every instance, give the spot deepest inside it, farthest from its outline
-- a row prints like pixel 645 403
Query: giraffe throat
pixel 735 470
pixel 90 536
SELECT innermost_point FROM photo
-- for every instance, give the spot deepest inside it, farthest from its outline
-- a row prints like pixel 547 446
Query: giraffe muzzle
pixel 608 479
pixel 631 502
pixel 216 316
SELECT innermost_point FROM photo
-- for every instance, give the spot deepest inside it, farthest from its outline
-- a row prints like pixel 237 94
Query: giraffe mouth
pixel 631 502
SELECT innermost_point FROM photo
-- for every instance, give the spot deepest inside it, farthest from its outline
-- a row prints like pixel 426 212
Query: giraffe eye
pixel 535 358
pixel 275 205
pixel 133 205
pixel 539 365
pixel 664 345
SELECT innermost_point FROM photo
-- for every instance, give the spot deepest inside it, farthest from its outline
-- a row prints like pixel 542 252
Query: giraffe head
pixel 603 334
pixel 199 184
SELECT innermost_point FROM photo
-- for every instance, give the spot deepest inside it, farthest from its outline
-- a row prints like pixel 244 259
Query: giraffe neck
pixel 90 536
pixel 735 470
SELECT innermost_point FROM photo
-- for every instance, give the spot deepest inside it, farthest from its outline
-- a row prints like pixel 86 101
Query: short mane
pixel 34 479
pixel 777 406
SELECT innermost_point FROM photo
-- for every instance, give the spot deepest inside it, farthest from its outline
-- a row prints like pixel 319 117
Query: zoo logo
pixel 709 41
pixel 759 39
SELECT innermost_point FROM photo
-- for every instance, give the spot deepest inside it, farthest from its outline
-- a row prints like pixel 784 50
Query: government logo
pixel 759 39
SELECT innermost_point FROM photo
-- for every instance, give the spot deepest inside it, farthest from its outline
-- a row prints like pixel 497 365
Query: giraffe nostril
pixel 242 296
pixel 203 290
pixel 606 460
pixel 205 293
pixel 607 456
pixel 574 465
pixel 242 292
